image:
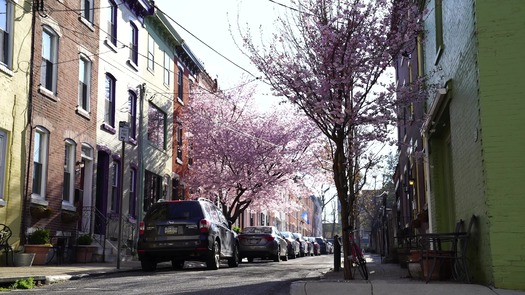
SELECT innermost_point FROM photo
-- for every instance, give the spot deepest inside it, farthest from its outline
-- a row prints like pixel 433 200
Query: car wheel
pixel 213 261
pixel 234 260
pixel 148 264
pixel 277 256
pixel 250 259
pixel 177 264
pixel 285 257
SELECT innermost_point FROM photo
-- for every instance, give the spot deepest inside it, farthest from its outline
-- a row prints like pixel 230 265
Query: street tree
pixel 244 158
pixel 328 59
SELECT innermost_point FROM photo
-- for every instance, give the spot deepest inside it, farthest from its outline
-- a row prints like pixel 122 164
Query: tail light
pixel 269 238
pixel 204 226
pixel 141 228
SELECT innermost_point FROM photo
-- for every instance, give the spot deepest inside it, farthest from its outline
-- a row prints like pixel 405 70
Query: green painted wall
pixel 13 119
pixel 501 39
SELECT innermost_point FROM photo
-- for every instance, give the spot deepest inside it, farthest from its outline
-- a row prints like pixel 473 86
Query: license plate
pixel 170 230
pixel 253 241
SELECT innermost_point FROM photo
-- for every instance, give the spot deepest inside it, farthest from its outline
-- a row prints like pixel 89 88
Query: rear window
pixel 183 211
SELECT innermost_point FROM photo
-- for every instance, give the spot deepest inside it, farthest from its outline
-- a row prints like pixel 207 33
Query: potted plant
pixel 84 248
pixel 40 212
pixel 38 243
pixel 69 216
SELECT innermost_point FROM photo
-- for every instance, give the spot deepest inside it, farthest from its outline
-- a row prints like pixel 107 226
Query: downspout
pixel 142 88
pixel 26 197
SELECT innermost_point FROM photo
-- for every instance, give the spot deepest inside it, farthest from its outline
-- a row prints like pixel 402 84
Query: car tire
pixel 235 259
pixel 177 264
pixel 148 264
pixel 250 259
pixel 277 256
pixel 285 257
pixel 213 262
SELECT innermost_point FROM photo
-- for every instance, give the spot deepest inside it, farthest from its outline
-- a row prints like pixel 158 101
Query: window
pixel 109 106
pixel 69 172
pixel 40 147
pixel 3 152
pixel 132 114
pixel 167 68
pixel 180 84
pixel 112 23
pixel 151 53
pixel 48 71
pixel 6 30
pixel 87 10
pixel 152 189
pixel 115 176
pixel 179 143
pixel 132 192
pixel 84 83
pixel 156 126
pixel 134 45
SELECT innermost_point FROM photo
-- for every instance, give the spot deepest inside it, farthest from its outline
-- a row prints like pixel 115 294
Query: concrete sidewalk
pixel 391 279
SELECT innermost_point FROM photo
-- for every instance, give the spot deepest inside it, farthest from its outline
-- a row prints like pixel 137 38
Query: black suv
pixel 194 230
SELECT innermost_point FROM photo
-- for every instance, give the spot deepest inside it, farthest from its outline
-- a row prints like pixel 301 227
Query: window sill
pixel 66 206
pixel 133 65
pixel 83 113
pixel 3 203
pixel 47 93
pixel 38 200
pixel 179 161
pixel 106 127
pixel 132 141
pixel 86 22
pixel 110 45
pixel 180 101
pixel 4 69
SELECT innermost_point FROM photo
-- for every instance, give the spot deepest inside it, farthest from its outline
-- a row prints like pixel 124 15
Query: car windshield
pixel 189 211
pixel 257 230
pixel 286 234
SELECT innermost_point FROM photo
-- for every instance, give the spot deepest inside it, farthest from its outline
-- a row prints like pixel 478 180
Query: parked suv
pixel 183 230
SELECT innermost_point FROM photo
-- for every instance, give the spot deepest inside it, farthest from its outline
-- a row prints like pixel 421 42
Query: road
pixel 259 277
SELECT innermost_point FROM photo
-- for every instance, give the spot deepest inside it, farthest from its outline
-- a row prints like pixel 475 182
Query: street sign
pixel 123 131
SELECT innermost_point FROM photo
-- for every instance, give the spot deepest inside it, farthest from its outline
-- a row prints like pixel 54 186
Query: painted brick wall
pixel 501 36
pixel 457 63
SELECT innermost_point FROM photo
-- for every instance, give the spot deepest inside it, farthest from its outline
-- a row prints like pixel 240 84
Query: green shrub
pixel 84 240
pixel 28 283
pixel 39 237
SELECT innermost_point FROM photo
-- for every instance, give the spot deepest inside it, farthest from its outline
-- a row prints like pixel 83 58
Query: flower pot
pixel 414 264
pixel 442 265
pixel 41 253
pixel 85 253
pixel 23 259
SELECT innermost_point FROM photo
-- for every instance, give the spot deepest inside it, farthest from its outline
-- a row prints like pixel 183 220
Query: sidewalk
pixel 391 279
pixel 384 279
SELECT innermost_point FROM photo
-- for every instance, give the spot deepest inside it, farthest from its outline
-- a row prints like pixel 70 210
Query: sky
pixel 210 22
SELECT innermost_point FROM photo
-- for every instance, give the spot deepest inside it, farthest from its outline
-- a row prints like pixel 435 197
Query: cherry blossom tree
pixel 327 59
pixel 244 158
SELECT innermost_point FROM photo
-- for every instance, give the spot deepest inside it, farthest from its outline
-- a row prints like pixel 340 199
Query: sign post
pixel 123 135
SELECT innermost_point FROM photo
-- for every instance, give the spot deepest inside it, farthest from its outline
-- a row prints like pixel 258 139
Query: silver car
pixel 264 242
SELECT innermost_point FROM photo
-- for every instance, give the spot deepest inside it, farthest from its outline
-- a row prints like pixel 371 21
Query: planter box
pixel 41 253
pixel 84 254
pixel 23 259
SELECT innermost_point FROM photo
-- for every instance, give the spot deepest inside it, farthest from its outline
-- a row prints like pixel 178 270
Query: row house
pixel 471 132
pixel 15 70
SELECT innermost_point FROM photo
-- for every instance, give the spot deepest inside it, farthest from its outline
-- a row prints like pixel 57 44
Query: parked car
pixel 322 245
pixel 293 245
pixel 316 249
pixel 310 251
pixel 329 247
pixel 183 230
pixel 302 246
pixel 264 242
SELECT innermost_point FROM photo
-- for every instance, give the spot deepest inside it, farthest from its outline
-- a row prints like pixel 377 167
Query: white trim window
pixel 167 69
pixel 134 44
pixel 3 163
pixel 40 153
pixel 69 173
pixel 6 32
pixel 87 10
pixel 115 176
pixel 84 83
pixel 49 67
pixel 151 53
pixel 180 82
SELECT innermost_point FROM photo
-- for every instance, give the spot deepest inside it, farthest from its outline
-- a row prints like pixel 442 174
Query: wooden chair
pixel 5 234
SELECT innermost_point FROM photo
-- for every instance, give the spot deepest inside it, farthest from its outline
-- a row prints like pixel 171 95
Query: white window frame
pixel 167 69
pixel 51 58
pixel 68 192
pixel 6 45
pixel 151 53
pixel 3 164
pixel 180 84
pixel 114 183
pixel 87 11
pixel 84 77
pixel 40 156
